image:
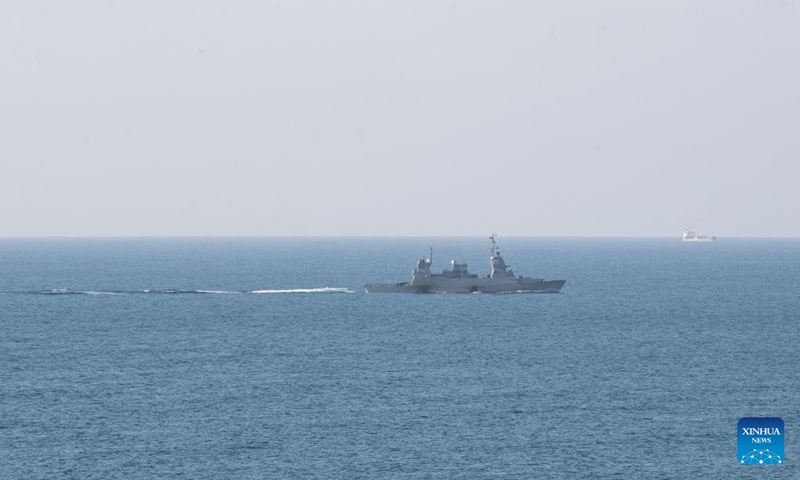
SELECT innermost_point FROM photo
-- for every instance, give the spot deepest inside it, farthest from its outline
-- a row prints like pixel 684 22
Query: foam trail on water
pixel 175 291
pixel 66 291
pixel 191 292
pixel 307 290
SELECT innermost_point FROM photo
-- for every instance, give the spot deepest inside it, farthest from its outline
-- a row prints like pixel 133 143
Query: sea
pixel 263 358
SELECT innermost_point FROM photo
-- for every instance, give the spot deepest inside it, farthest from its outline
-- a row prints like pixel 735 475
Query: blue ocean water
pixel 259 358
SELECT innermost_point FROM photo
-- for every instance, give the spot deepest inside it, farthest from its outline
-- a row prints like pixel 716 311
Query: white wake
pixel 307 290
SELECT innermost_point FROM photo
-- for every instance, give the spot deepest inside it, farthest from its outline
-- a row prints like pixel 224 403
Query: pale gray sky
pixel 344 117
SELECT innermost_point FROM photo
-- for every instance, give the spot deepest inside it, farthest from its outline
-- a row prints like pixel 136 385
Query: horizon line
pixel 40 237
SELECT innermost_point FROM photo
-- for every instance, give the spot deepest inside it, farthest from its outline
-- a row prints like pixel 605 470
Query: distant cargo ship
pixel 690 236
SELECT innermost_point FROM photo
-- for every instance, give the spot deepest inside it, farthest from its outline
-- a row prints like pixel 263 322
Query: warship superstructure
pixel 459 280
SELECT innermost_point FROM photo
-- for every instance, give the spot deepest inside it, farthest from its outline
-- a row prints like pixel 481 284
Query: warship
pixel 459 280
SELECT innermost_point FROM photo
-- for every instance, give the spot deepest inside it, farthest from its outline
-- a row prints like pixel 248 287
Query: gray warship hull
pixel 518 285
pixel 459 280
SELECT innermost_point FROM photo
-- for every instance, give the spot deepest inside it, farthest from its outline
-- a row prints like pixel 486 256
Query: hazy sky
pixel 344 117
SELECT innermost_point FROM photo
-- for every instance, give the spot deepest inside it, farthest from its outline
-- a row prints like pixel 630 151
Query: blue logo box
pixel 760 441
